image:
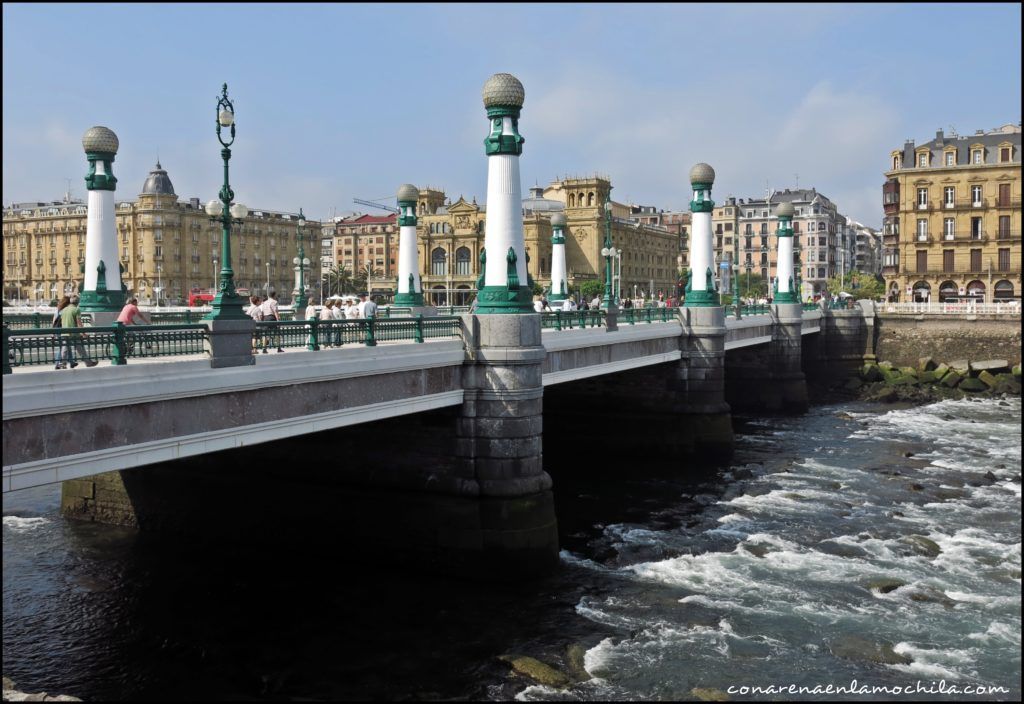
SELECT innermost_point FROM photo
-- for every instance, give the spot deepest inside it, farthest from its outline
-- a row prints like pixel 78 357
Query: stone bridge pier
pixel 775 381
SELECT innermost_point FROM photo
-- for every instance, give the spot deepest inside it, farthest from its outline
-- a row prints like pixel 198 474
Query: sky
pixel 334 102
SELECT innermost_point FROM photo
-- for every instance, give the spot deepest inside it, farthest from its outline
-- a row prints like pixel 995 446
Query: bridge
pixel 111 434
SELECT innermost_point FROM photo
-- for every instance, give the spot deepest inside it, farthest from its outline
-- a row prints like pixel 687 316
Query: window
pixel 821 272
pixel 764 228
pixel 822 241
pixel 976 195
pixel 439 262
pixel 1004 227
pixel 947 260
pixel 158 251
pixel 922 261
pixel 1004 260
pixel 975 260
pixel 975 228
pixel 462 261
pixel 950 158
pixel 922 230
pixel 922 161
pixel 1004 154
pixel 895 163
pixel 950 196
pixel 948 228
pixel 976 156
pixel 1004 196
pixel 922 197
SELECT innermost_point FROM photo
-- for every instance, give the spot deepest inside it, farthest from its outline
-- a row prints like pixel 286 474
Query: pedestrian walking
pixel 256 313
pixel 270 314
pixel 326 316
pixel 71 318
pixel 367 308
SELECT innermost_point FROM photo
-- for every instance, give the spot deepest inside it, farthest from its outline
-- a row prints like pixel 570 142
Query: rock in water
pixel 856 648
pixel 988 379
pixel 952 378
pixel 992 366
pixel 926 364
pixel 574 659
pixel 922 545
pixel 536 670
pixel 884 584
pixel 972 384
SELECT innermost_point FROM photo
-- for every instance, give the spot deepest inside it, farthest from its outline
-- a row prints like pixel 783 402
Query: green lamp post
pixel 227 304
pixel 608 252
pixel 302 262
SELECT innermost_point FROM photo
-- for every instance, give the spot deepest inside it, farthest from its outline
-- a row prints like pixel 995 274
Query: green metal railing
pixel 632 316
pixel 811 306
pixel 319 334
pixel 117 343
pixel 30 321
pixel 570 320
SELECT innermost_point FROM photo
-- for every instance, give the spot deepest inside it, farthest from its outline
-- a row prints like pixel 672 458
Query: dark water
pixel 669 581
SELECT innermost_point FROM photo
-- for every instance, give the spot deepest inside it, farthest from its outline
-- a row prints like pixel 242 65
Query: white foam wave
pixel 24 525
pixel 936 664
pixel 999 631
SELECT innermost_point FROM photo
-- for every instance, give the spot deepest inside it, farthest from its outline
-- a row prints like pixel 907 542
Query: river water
pixel 856 542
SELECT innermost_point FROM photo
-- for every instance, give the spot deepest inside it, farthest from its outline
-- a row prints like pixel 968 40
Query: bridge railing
pixel 632 316
pixel 572 319
pixel 317 334
pixel 117 343
pixel 38 320
pixel 952 308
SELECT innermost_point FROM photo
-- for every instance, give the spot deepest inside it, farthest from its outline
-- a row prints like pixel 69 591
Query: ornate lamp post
pixel 301 262
pixel 700 288
pixel 227 304
pixel 784 277
pixel 608 252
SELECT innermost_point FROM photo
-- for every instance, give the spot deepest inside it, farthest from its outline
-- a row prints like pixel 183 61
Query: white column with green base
pixel 784 283
pixel 700 284
pixel 503 285
pixel 102 294
pixel 559 282
pixel 410 287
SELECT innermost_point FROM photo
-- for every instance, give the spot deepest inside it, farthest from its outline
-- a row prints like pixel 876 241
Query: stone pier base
pixel 230 343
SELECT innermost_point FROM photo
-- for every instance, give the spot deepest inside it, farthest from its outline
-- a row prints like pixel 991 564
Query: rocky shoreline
pixel 932 381
pixel 11 694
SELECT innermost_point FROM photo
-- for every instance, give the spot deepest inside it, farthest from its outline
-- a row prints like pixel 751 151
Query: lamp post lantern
pixel 299 300
pixel 227 304
pixel 736 274
pixel 608 252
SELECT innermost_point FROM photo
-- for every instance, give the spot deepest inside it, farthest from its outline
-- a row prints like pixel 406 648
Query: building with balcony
pixel 952 225
pixel 167 247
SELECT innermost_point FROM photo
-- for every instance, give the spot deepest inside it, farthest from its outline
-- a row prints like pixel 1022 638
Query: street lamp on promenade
pixel 734 270
pixel 267 291
pixel 215 260
pixel 608 252
pixel 159 283
pixel 302 262
pixel 227 304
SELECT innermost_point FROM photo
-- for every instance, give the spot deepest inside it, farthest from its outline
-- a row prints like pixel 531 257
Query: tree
pixel 337 279
pixel 538 290
pixel 858 284
pixel 363 277
pixel 591 288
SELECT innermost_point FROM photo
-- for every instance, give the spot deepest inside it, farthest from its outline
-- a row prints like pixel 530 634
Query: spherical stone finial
pixel 702 173
pixel 503 89
pixel 100 139
pixel 408 192
pixel 785 210
pixel 558 220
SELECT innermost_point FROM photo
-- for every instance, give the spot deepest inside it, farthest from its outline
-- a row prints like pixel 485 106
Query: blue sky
pixel 342 101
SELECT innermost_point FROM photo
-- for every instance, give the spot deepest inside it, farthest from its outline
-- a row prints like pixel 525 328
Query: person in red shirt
pixel 130 312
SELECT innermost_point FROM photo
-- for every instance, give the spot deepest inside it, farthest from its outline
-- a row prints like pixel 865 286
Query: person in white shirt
pixel 538 304
pixel 596 303
pixel 310 309
pixel 351 309
pixel 339 314
pixel 326 314
pixel 367 307
pixel 270 314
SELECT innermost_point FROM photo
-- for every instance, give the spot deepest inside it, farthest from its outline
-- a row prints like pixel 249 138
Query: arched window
pixel 895 163
pixel 1003 290
pixel 440 295
pixel 922 291
pixel 947 290
pixel 439 262
pixel 976 289
pixel 590 198
pixel 462 261
pixel 572 200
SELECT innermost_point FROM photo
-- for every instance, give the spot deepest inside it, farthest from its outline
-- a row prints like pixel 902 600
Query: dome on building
pixel 408 192
pixel 702 173
pixel 158 183
pixel 558 220
pixel 503 89
pixel 537 203
pixel 785 210
pixel 100 139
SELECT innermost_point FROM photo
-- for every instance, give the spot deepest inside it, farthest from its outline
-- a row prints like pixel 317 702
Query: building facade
pixel 367 245
pixel 168 248
pixel 952 225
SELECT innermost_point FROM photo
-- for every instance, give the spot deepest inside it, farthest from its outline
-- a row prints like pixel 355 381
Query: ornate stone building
pixel 450 236
pixel 952 225
pixel 163 243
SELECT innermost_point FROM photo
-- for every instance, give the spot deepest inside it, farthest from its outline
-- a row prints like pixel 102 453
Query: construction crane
pixel 370 203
